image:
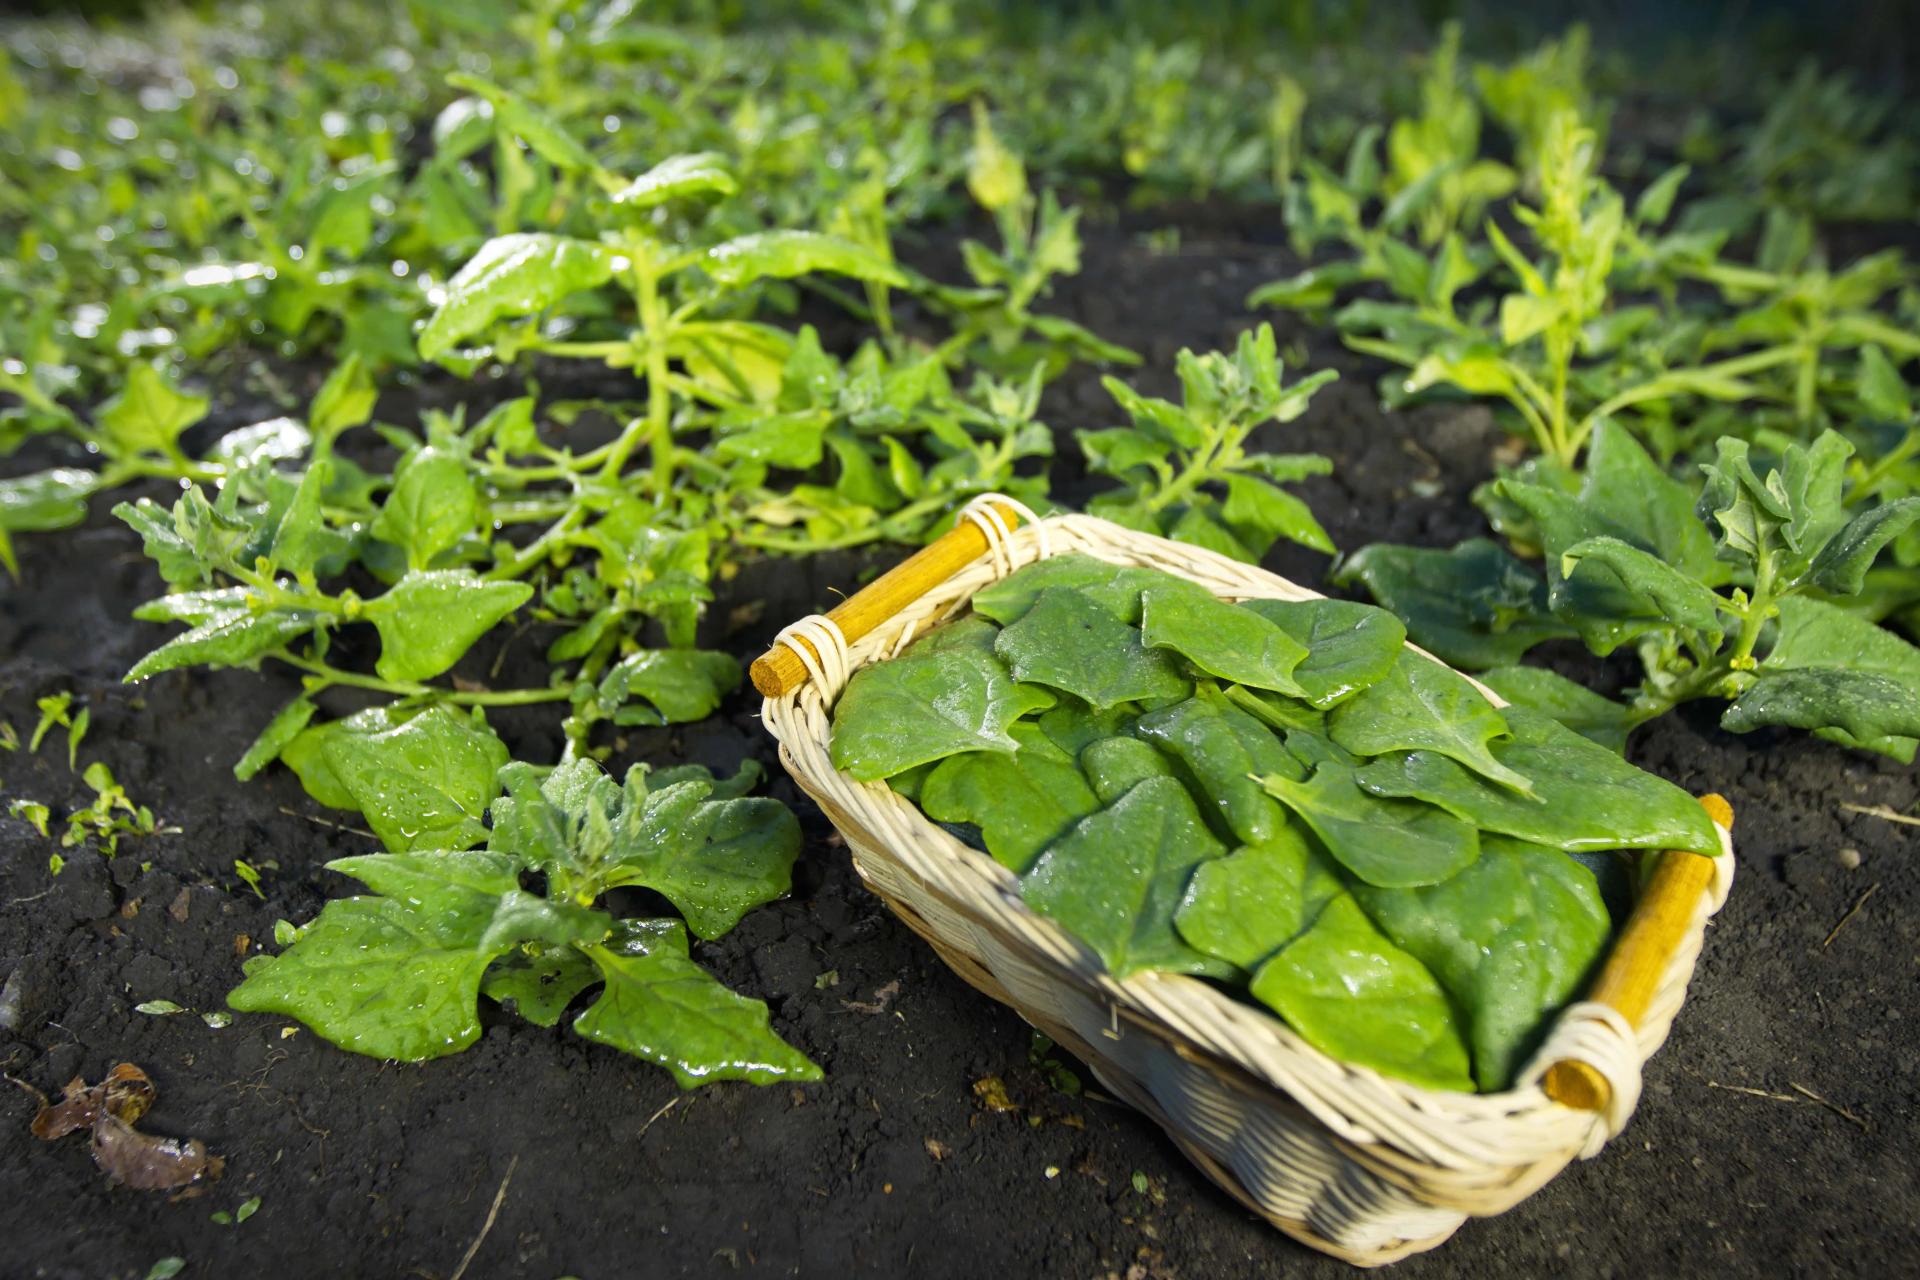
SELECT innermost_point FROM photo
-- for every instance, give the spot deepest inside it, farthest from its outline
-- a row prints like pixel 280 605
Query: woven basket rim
pixel 1148 993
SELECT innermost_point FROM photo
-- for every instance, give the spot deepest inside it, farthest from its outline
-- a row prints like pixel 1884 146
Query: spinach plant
pixel 1188 470
pixel 398 973
pixel 1746 594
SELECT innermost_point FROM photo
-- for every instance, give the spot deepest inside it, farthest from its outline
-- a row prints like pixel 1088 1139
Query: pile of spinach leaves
pixel 1276 796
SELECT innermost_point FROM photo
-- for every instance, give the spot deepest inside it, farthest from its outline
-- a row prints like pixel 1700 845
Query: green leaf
pixel 1420 705
pixel 1472 606
pixel 432 506
pixel 539 987
pixel 345 399
pixel 660 1006
pixel 1396 844
pixel 1068 642
pixel 1259 513
pixel 1021 802
pixel 1586 797
pixel 784 254
pixel 423 784
pixel 1842 563
pixel 1221 639
pixel 43 501
pixel 306 753
pixel 1117 878
pixel 715 860
pixel 521 118
pixel 513 275
pixel 1882 392
pixel 1349 645
pixel 1246 906
pixel 1222 748
pixel 678 178
pixel 399 976
pixel 679 685
pixel 286 724
pixel 1355 996
pixel 1674 597
pixel 149 413
pixel 1115 588
pixel 1867 707
pixel 1511 939
pixel 1114 766
pixel 431 617
pixel 922 707
pixel 1592 716
pixel 231 638
pixel 1814 635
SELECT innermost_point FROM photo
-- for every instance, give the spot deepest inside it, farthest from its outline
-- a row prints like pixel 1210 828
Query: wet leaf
pixel 1350 992
pixel 1511 939
pixel 423 784
pixel 715 860
pixel 661 1006
pixel 1068 642
pixel 702 173
pixel 1349 645
pixel 513 275
pixel 1586 797
pixel 1223 749
pixel 149 413
pixel 1244 907
pixel 1421 706
pixel 1115 588
pixel 1117 878
pixel 923 707
pixel 1020 802
pixel 1221 639
pixel 1592 716
pixel 1395 844
pixel 783 254
pixel 430 618
pixel 398 976
pixel 539 987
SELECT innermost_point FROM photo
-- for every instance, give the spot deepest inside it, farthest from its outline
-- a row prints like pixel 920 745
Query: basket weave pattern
pixel 1361 1166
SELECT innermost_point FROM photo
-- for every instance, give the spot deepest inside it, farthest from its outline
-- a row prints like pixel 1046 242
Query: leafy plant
pixel 1740 596
pixel 1174 462
pixel 398 973
pixel 1275 795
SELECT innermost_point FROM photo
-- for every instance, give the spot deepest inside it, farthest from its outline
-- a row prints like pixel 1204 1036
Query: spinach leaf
pixel 659 1005
pixel 1067 642
pixel 1587 713
pixel 1223 640
pixel 1349 645
pixel 922 707
pixel 1114 765
pixel 1396 844
pixel 1586 797
pixel 430 618
pixel 1512 938
pixel 1115 588
pixel 1244 907
pixel 1020 802
pixel 539 987
pixel 1421 706
pixel 1223 750
pixel 1350 992
pixel 1472 606
pixel 423 784
pixel 1116 879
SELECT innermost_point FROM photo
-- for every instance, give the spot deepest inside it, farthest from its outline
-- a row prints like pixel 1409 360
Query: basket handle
pixel 780 670
pixel 1632 973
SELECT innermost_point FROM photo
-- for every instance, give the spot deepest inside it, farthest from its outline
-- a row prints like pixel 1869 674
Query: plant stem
pixel 409 689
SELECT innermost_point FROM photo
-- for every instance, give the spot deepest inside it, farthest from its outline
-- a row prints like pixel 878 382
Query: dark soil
pixel 892 1166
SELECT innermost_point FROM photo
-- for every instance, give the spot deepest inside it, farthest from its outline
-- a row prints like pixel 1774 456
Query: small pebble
pixel 1848 858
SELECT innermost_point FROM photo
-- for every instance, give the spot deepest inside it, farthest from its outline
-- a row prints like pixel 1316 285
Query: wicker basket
pixel 1358 1165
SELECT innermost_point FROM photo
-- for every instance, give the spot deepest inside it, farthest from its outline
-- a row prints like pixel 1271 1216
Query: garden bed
pixel 941 1143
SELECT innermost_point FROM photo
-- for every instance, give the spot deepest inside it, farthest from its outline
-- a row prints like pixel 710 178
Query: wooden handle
pixel 1632 973
pixel 779 671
